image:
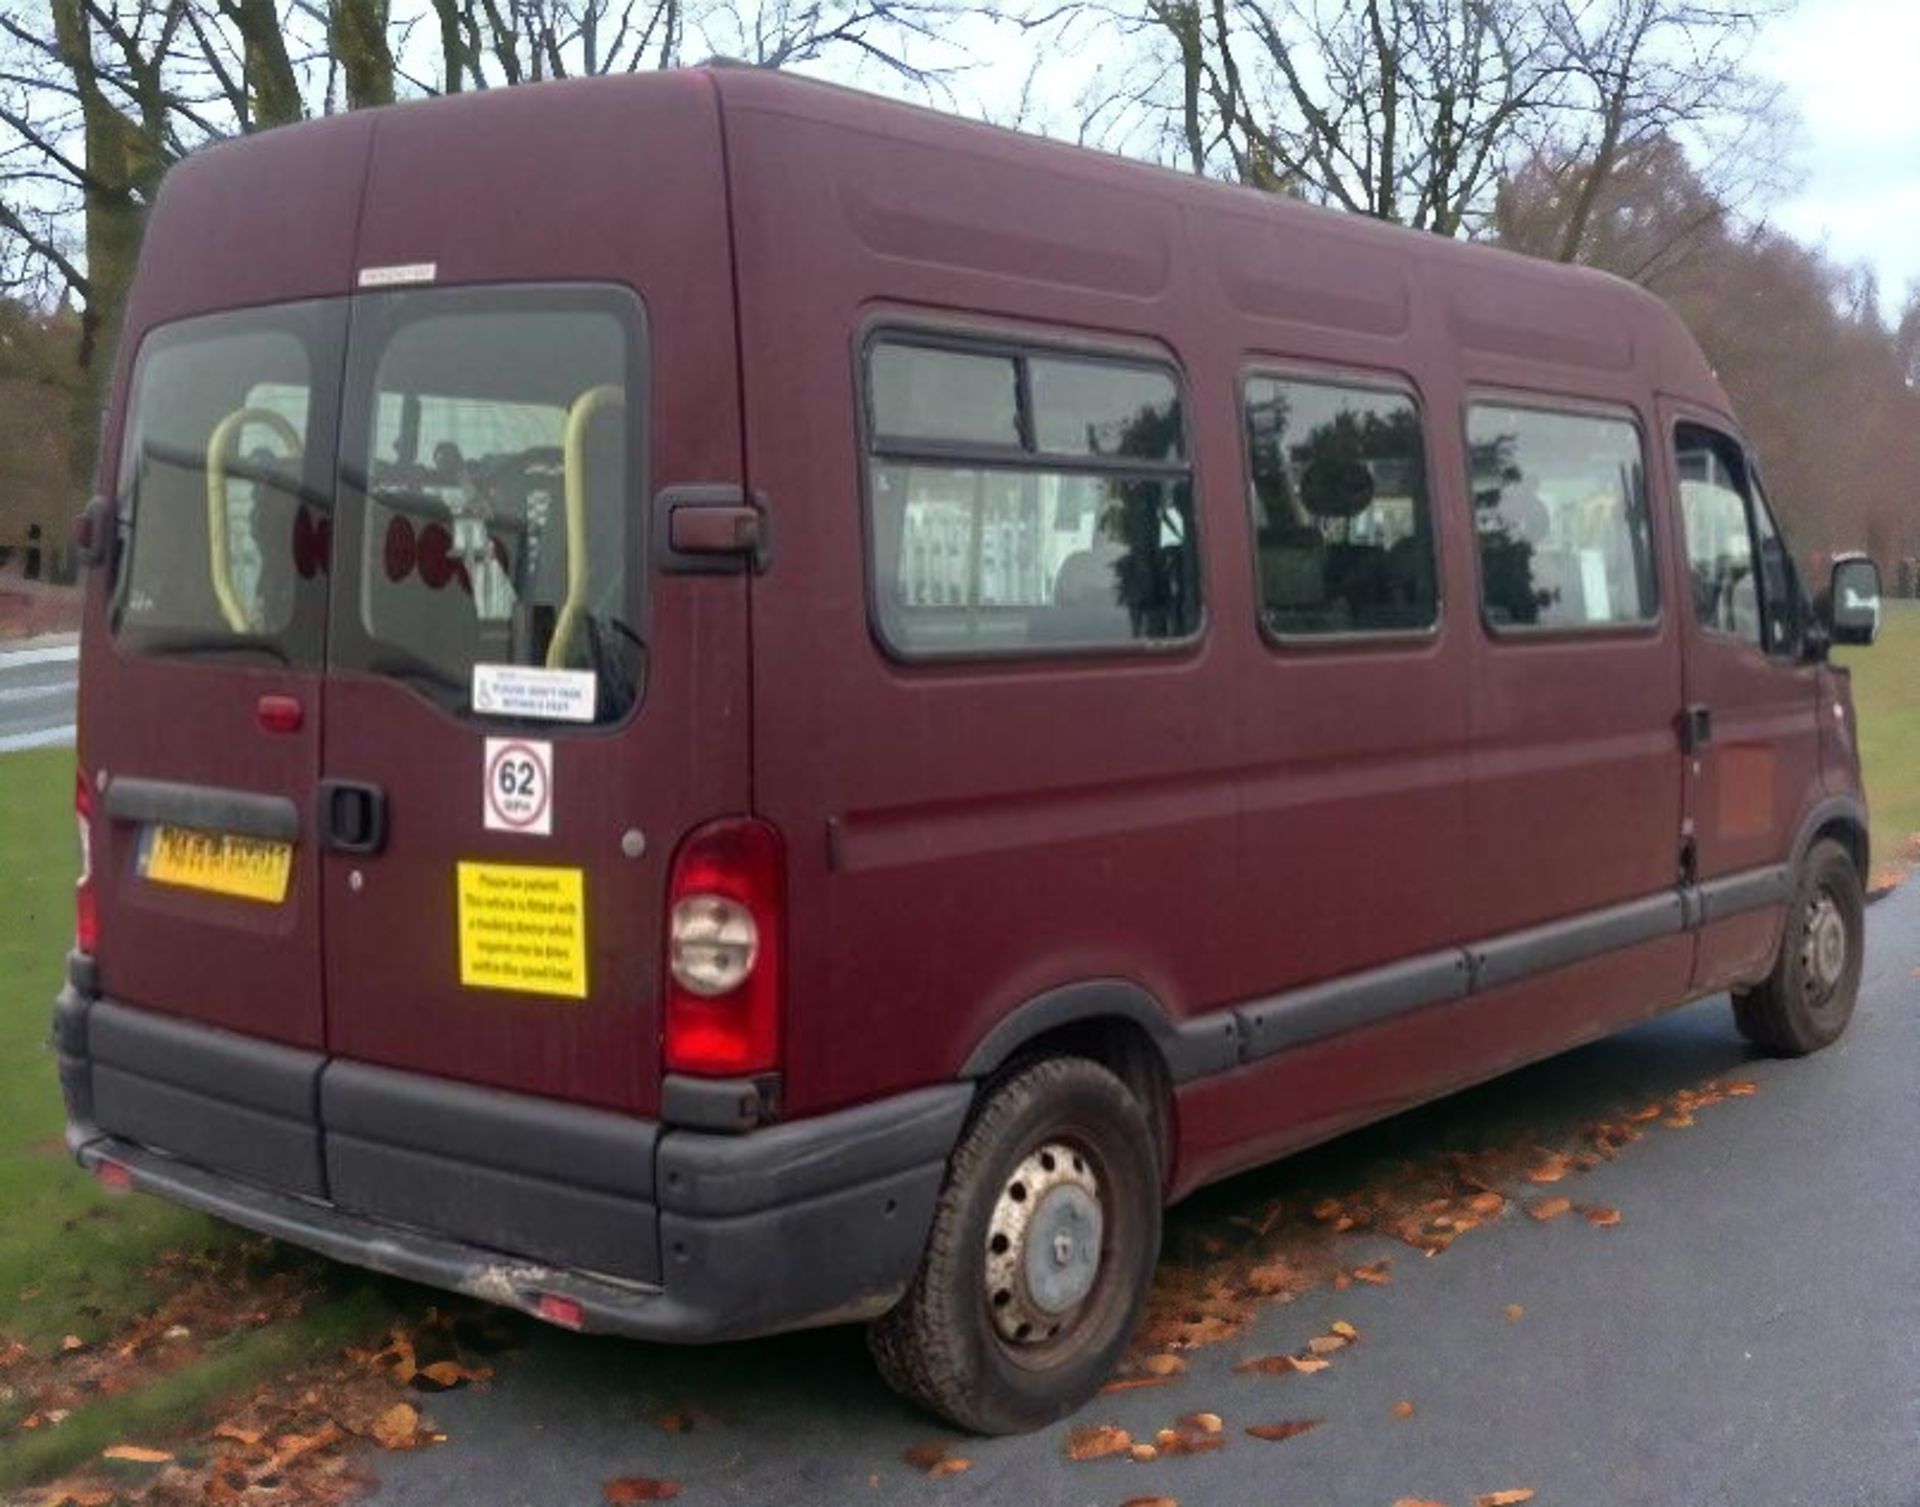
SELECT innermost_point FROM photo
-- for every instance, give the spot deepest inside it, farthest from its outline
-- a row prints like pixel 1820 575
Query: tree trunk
pixel 360 42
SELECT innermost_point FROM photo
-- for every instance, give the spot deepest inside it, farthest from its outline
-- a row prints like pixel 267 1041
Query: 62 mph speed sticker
pixel 518 794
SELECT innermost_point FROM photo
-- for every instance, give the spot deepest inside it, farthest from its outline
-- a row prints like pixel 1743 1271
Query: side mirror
pixel 1853 602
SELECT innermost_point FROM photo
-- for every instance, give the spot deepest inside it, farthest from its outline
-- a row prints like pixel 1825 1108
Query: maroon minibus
pixel 788 710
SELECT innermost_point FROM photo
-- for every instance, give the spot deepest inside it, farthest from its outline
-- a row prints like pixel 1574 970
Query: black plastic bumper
pixel 652 1231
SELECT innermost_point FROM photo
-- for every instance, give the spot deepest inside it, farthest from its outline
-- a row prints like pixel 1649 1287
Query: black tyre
pixel 1042 1249
pixel 1806 1002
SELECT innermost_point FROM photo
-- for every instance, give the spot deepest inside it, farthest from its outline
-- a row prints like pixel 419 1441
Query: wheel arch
pixel 1843 819
pixel 1118 1024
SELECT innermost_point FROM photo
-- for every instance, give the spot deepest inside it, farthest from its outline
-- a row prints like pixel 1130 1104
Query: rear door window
pixel 225 486
pixel 490 447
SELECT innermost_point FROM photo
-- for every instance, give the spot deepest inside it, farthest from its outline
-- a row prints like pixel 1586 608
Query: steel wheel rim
pixel 1823 948
pixel 1045 1246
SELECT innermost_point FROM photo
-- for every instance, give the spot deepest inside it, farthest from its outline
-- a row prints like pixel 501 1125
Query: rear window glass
pixel 1560 512
pixel 1081 536
pixel 225 488
pixel 493 445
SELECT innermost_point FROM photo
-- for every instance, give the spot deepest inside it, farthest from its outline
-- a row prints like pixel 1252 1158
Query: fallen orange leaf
pixel 1326 1344
pixel 1417 1502
pixel 1556 1166
pixel 1345 1330
pixel 1376 1274
pixel 1602 1215
pixel 1133 1384
pixel 623 1491
pixel 1744 1088
pixel 1308 1364
pixel 1403 1408
pixel 1505 1498
pixel 1549 1208
pixel 135 1454
pixel 1273 1433
pixel 398 1427
pixel 1163 1365
pixel 1144 1453
pixel 1095 1443
pixel 951 1466
pixel 1515 1313
pixel 1150 1502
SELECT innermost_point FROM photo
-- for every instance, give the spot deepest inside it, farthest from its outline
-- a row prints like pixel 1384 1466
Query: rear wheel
pixel 1042 1248
pixel 1806 1002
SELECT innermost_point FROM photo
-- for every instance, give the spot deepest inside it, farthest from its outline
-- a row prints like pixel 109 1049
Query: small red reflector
pixel 113 1176
pixel 565 1312
pixel 86 910
pixel 279 714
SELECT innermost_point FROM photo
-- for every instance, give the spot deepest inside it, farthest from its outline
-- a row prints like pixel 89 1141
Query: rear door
pixel 201 700
pixel 524 716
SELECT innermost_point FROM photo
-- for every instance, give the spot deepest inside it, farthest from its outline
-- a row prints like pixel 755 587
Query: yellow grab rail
pixel 220 562
pixel 584 409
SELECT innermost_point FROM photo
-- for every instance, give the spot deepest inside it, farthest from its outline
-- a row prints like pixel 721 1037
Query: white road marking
pixel 62 691
pixel 46 737
pixel 53 654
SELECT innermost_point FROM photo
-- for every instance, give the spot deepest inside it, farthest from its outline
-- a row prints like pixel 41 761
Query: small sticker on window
pixel 399 276
pixel 537 694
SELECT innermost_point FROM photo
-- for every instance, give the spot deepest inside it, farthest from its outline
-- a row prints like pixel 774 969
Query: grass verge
pixel 1886 694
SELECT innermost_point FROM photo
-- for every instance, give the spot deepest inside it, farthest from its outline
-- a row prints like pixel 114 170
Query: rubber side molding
pixel 1191 1049
pixel 1738 893
pixel 203 808
pixel 1364 999
pixel 1541 949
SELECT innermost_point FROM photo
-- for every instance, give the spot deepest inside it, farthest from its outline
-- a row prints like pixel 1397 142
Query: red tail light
pixel 724 950
pixel 86 911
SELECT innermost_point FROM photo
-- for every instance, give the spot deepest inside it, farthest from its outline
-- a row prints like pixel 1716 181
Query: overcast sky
pixel 1852 71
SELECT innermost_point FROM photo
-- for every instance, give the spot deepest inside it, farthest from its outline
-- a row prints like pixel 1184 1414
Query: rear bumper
pixel 654 1232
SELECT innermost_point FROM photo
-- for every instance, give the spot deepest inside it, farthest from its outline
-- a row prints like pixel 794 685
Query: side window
pixel 492 434
pixel 1560 511
pixel 225 497
pixel 1025 500
pixel 1340 511
pixel 1720 548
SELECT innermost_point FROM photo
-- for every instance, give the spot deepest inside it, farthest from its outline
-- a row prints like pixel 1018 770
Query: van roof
pixel 1496 301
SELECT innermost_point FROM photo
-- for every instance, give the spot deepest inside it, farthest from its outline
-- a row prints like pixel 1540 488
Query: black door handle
pixel 353 816
pixel 1696 727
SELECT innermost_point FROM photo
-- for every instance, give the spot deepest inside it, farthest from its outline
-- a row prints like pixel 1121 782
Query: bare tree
pixel 1414 110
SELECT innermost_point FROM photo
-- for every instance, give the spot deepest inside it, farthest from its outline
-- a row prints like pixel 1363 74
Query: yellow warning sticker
pixel 523 927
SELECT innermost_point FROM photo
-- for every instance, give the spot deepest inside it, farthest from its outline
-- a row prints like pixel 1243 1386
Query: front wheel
pixel 1806 1002
pixel 1042 1249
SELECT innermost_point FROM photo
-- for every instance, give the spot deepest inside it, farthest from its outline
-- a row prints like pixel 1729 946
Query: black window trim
pixel 1358 380
pixel 1007 337
pixel 1564 405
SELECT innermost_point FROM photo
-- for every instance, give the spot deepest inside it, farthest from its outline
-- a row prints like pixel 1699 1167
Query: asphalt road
pixel 37 695
pixel 1749 1333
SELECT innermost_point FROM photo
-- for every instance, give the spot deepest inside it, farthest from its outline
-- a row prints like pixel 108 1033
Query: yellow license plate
pixel 247 868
